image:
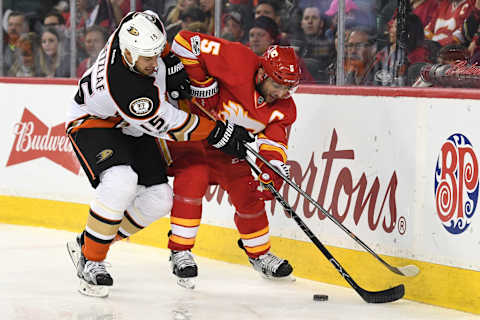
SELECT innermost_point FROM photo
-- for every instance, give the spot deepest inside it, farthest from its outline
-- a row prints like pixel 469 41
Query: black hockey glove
pixel 230 138
pixel 178 83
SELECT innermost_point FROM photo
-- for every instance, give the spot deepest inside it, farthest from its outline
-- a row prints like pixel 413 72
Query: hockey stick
pixel 388 295
pixel 407 271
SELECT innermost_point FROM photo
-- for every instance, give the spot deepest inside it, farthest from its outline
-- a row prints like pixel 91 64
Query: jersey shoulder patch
pixel 141 106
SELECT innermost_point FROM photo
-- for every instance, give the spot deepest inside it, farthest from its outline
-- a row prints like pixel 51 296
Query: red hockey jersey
pixel 234 66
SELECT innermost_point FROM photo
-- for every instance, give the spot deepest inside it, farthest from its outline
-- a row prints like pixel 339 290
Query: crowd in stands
pixel 38 34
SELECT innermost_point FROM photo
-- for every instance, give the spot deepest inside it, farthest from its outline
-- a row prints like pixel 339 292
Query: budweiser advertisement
pixel 38 159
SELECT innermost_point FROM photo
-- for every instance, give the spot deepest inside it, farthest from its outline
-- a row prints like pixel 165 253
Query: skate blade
pixel 74 251
pixel 288 278
pixel 92 290
pixel 187 283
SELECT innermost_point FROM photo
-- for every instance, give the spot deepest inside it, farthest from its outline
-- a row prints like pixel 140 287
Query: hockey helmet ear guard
pixel 281 64
pixel 142 35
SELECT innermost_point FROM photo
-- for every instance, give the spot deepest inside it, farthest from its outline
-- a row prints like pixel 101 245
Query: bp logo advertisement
pixel 456 184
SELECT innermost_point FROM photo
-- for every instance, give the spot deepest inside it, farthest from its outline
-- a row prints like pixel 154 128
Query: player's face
pixel 146 65
pixel 272 90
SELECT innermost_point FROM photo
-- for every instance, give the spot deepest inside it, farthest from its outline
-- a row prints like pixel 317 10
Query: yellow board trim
pixel 436 284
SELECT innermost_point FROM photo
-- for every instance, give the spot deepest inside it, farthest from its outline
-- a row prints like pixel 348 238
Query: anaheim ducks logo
pixel 133 31
pixel 104 155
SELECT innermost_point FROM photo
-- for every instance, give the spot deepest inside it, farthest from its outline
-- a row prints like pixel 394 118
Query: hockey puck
pixel 320 297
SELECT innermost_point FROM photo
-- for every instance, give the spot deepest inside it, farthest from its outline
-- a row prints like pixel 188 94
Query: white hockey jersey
pixel 109 89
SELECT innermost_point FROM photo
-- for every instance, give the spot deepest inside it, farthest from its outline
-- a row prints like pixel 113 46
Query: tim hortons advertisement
pixel 403 179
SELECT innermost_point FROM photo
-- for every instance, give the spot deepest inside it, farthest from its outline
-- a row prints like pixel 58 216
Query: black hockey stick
pixel 388 295
pixel 408 270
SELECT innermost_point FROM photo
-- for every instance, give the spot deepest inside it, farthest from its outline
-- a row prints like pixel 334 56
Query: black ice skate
pixel 94 278
pixel 184 267
pixel 270 266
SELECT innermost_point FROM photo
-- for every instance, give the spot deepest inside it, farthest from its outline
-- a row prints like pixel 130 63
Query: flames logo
pixel 456 183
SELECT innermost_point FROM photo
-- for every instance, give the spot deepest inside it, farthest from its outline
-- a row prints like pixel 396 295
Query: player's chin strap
pixel 388 295
pixel 408 271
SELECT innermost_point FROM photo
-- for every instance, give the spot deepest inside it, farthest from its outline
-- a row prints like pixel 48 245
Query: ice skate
pixel 184 267
pixel 94 278
pixel 75 250
pixel 270 266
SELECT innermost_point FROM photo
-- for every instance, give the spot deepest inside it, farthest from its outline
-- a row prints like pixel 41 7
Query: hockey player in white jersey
pixel 114 124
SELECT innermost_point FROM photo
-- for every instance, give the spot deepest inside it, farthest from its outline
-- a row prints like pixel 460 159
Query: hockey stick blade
pixel 384 296
pixel 407 271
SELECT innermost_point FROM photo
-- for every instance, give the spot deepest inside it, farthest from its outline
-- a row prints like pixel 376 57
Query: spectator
pixel 424 9
pixel 262 34
pixel 446 24
pixel 190 15
pixel 271 9
pixel 267 8
pixel 233 27
pixel 95 39
pixel 56 20
pixel 173 16
pixel 392 69
pixel 53 19
pixel 470 30
pixel 196 26
pixel 208 7
pixel 16 26
pixel 312 45
pixel 25 62
pixel 52 61
pixel 354 16
pixel 360 57
pixel 90 12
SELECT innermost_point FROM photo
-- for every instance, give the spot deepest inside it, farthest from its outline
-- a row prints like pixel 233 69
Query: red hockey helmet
pixel 281 64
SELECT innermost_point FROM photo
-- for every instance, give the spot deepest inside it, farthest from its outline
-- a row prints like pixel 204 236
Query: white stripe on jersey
pixel 182 51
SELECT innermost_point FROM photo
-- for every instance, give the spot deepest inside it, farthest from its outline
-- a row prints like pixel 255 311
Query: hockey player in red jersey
pixel 232 83
pixel 114 124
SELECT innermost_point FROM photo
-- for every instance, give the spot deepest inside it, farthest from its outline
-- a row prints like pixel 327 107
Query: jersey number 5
pixel 84 87
pixel 209 46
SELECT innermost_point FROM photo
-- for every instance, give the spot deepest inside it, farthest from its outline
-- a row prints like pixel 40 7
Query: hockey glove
pixel 230 138
pixel 269 176
pixel 178 83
